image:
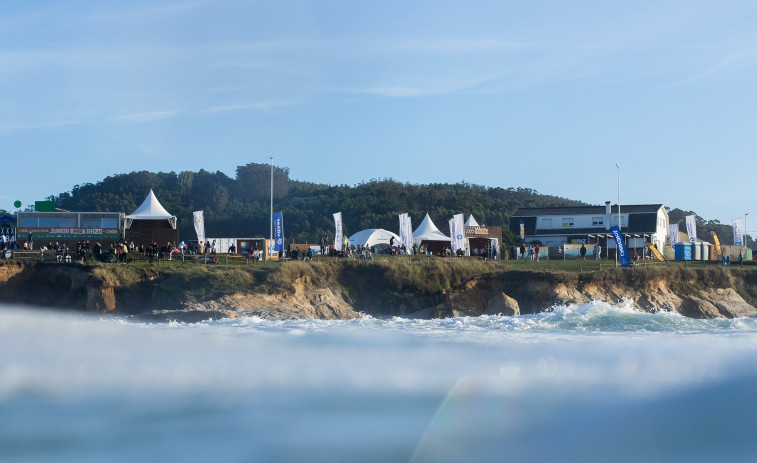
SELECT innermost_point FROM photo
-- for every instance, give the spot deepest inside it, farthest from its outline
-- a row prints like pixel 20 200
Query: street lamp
pixel 617 250
pixel 271 216
pixel 745 235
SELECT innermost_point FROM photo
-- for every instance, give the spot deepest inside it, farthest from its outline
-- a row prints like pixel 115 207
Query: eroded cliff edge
pixel 347 289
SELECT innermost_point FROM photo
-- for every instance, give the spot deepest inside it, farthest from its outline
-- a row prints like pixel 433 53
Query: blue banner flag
pixel 621 247
pixel 278 232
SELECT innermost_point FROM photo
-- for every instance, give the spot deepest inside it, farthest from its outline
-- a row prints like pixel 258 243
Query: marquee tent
pixel 471 222
pixel 151 209
pixel 374 237
pixel 427 231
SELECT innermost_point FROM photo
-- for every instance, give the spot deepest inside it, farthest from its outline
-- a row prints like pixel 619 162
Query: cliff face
pixel 703 293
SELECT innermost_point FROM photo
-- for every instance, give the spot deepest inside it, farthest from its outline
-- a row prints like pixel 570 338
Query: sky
pixel 548 95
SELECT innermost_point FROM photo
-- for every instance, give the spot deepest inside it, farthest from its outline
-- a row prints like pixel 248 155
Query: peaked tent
pixel 471 222
pixel 374 237
pixel 428 232
pixel 151 209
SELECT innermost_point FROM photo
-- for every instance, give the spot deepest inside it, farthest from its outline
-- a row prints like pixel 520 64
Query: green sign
pixel 17 204
pixel 44 206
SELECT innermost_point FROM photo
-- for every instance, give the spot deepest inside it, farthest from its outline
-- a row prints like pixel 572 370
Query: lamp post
pixel 270 243
pixel 620 229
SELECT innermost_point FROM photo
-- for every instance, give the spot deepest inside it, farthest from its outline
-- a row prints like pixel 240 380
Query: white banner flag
pixel 199 220
pixel 338 234
pixel 673 234
pixel 738 233
pixel 406 233
pixel 457 232
pixel 691 227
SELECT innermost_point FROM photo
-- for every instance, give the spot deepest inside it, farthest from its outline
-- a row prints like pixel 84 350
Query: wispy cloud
pixel 147 12
pixel 145 117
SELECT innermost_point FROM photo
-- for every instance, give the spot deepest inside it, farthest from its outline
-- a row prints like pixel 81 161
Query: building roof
pixel 598 210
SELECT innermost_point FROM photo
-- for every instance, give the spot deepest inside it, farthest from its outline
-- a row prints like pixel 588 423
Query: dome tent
pixel 374 237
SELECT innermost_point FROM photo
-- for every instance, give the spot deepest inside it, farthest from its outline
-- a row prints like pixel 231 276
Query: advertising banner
pixel 457 232
pixel 278 232
pixel 621 247
pixel 522 232
pixel 738 233
pixel 338 234
pixel 717 244
pixel 691 227
pixel 406 232
pixel 199 221
pixel 673 234
pixel 656 253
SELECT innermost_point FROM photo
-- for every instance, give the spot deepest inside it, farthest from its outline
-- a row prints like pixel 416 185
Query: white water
pixel 581 383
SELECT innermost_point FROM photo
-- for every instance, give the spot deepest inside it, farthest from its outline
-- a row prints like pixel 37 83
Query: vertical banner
pixel 717 244
pixel 620 246
pixel 338 234
pixel 522 232
pixel 673 234
pixel 278 232
pixel 738 233
pixel 656 253
pixel 457 232
pixel 691 227
pixel 199 220
pixel 406 233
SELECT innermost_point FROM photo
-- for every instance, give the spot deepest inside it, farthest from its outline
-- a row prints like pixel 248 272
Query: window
pixel 567 222
pixel 546 222
pixel 595 221
pixel 110 222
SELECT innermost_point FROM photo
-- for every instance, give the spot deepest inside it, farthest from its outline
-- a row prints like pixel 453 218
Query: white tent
pixel 471 222
pixel 151 209
pixel 427 231
pixel 374 236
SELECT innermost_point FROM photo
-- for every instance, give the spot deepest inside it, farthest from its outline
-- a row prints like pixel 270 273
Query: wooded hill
pixel 240 206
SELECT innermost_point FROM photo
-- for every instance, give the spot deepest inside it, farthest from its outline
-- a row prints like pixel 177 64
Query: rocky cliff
pixel 342 291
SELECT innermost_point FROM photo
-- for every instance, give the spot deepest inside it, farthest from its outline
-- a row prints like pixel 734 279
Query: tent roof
pixel 151 209
pixel 427 231
pixel 373 236
pixel 471 222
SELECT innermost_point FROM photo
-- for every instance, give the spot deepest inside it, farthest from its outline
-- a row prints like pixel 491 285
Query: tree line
pixel 240 206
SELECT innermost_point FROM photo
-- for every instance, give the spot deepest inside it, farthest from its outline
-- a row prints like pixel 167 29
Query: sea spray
pixel 581 382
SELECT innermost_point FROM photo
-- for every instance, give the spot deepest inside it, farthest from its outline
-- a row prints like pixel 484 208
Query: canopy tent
pixel 471 222
pixel 427 231
pixel 374 237
pixel 151 209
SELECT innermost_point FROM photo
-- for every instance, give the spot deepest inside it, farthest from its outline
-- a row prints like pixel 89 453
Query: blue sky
pixel 547 95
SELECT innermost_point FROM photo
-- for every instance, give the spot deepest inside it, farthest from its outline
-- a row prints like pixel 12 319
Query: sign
pixel 44 206
pixel 522 232
pixel 480 231
pixel 691 227
pixel 738 233
pixel 457 232
pixel 621 247
pixel 406 232
pixel 199 221
pixel 17 204
pixel 70 234
pixel 656 253
pixel 673 234
pixel 278 232
pixel 717 243
pixel 338 234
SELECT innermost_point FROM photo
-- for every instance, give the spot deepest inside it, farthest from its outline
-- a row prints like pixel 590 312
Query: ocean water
pixel 590 382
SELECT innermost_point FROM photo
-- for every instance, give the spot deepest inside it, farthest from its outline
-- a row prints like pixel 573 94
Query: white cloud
pixel 146 116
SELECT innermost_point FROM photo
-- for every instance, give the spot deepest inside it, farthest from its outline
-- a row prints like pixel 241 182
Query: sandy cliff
pixel 351 290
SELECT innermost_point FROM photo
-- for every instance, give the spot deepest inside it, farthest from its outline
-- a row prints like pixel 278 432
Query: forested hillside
pixel 240 206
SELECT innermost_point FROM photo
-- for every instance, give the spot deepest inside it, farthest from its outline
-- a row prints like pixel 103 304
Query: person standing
pixel 598 252
pixel 583 252
pixel 536 252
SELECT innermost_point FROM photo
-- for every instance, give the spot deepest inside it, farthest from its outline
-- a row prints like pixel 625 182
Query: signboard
pixel 70 234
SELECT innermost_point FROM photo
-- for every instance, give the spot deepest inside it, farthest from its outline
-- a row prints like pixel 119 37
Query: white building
pixel 555 226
